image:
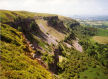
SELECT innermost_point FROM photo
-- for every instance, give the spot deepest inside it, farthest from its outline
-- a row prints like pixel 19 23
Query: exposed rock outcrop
pixel 54 22
pixel 77 46
pixel 28 26
pixel 74 24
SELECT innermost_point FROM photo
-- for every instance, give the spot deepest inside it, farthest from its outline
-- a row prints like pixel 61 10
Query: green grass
pixel 7 16
pixel 15 57
pixel 102 32
pixel 92 73
pixel 76 63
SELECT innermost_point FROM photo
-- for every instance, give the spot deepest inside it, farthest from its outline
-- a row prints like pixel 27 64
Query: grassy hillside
pixel 6 16
pixel 15 54
pixel 15 57
pixel 35 45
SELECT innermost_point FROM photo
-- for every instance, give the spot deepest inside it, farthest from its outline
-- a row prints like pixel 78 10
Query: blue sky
pixel 62 7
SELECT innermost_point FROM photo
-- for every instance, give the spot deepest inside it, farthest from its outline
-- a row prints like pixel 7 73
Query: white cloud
pixel 64 7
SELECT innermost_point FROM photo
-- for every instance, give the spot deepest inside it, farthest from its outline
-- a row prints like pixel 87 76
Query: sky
pixel 61 7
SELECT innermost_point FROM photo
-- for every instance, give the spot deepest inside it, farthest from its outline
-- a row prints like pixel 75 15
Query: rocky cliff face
pixel 28 26
pixel 56 23
pixel 43 35
pixel 73 25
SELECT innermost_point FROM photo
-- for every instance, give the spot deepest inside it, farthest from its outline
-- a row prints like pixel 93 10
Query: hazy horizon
pixel 61 7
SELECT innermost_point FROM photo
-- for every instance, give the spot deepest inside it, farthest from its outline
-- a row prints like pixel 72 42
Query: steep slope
pixel 39 46
pixel 16 57
pixel 39 32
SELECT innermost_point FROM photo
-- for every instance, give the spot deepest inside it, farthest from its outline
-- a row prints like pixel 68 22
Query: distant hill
pixel 91 18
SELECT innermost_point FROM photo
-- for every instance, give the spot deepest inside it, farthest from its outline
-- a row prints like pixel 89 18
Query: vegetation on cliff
pixel 41 46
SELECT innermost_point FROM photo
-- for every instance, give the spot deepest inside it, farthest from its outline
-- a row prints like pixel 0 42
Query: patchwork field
pixel 101 39
pixel 102 32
